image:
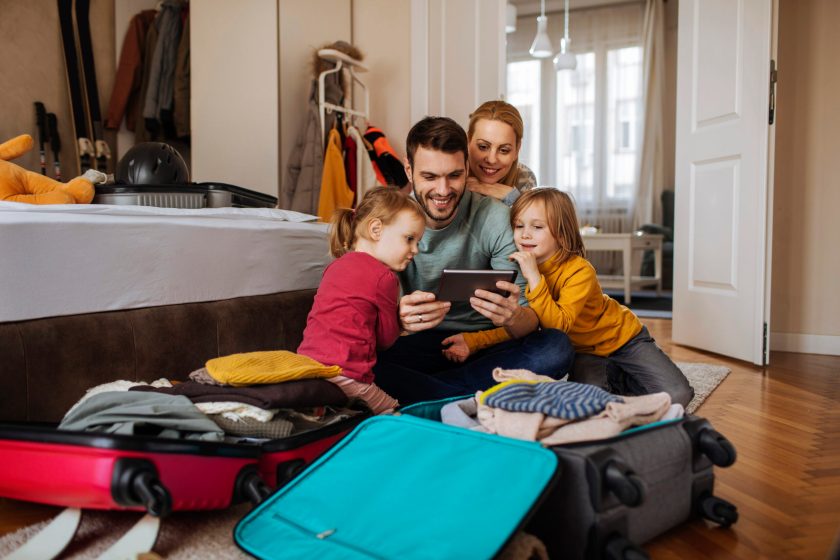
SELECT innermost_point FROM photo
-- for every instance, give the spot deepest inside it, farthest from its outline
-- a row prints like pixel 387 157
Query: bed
pixel 94 293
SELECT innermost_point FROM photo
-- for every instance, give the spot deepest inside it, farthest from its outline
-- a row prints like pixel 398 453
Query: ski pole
pixel 55 143
pixel 41 121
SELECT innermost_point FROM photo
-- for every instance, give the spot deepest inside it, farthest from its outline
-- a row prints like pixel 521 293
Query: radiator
pixel 609 220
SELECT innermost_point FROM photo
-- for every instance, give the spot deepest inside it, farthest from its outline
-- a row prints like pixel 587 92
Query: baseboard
pixel 805 343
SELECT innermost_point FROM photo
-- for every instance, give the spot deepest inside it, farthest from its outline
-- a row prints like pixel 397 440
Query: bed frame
pixel 47 364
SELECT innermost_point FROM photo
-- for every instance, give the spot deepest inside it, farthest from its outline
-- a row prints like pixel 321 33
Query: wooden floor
pixel 785 423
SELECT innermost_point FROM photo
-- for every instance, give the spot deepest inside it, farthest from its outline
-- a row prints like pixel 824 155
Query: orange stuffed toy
pixel 20 185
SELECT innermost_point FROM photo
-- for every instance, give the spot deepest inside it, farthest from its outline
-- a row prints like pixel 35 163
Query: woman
pixel 495 137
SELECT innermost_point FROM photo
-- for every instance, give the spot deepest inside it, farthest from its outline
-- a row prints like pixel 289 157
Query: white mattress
pixel 69 259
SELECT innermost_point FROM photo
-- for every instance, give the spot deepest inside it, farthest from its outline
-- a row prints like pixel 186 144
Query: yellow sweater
pixel 569 298
pixel 270 366
pixel 335 193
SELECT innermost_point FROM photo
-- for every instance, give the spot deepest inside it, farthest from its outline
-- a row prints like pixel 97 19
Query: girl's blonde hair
pixel 505 112
pixel 560 216
pixel 383 203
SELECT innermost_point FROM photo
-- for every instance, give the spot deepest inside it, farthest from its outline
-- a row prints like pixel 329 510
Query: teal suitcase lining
pixel 404 487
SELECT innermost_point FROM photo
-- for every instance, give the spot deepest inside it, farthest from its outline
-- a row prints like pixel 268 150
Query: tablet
pixel 460 285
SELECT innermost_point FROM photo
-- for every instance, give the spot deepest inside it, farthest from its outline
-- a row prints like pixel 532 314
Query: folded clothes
pixel 116 386
pixel 501 375
pixel 529 426
pixel 236 410
pixel 462 414
pixel 562 399
pixel 302 393
pixel 617 417
pixel 275 428
pixel 274 366
pixel 128 413
pixel 548 430
pixel 203 376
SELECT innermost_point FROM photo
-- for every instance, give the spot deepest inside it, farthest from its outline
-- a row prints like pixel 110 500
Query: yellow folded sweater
pixel 273 366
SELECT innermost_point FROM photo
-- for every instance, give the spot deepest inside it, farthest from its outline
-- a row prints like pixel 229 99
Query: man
pixel 464 230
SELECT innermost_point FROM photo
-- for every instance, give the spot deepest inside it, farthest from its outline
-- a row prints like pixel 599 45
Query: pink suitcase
pixel 88 470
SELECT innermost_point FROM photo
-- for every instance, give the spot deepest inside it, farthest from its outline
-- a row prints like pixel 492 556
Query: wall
pixel 302 31
pixel 805 307
pixel 32 69
pixel 387 54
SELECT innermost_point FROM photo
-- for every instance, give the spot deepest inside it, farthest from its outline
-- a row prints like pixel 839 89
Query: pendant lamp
pixel 565 60
pixel 510 18
pixel 541 47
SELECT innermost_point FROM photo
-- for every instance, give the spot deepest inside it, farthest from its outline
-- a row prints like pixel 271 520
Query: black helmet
pixel 152 163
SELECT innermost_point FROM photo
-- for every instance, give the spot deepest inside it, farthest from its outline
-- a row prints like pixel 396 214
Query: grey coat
pixel 302 186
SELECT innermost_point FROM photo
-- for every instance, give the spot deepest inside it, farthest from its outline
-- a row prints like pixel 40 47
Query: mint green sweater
pixel 479 238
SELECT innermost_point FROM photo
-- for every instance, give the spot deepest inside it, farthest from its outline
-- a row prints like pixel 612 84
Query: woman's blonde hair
pixel 382 203
pixel 560 216
pixel 505 112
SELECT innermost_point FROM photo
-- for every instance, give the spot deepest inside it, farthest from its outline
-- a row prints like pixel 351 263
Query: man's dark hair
pixel 436 133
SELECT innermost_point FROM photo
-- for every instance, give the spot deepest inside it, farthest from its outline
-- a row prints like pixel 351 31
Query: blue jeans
pixel 637 368
pixel 414 369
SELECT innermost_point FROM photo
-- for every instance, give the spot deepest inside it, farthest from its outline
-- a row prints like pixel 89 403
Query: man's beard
pixel 433 213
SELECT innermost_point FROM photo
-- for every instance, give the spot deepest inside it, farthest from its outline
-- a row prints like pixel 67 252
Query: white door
pixel 722 189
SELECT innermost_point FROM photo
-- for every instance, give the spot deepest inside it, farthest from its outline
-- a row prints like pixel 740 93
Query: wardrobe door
pixel 235 90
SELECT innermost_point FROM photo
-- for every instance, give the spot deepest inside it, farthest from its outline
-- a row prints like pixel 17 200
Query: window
pixel 575 129
pixel 596 110
pixel 523 86
pixel 624 71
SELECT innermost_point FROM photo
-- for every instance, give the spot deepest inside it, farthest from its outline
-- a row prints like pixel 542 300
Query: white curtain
pixel 646 210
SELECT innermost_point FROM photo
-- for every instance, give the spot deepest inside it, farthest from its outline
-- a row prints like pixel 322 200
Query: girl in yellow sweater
pixel 613 349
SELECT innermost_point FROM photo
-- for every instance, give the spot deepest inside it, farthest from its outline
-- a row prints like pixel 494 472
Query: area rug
pixel 704 378
pixel 209 535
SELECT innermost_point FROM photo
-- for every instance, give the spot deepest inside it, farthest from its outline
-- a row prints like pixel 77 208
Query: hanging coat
pixel 365 174
pixel 126 93
pixel 335 193
pixel 302 185
pixel 390 169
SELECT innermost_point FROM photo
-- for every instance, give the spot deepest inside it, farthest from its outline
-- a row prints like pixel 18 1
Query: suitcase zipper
pixel 325 535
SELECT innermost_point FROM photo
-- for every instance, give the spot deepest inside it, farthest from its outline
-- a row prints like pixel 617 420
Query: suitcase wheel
pixel 716 447
pixel 135 483
pixel 619 548
pixel 718 510
pixel 623 482
pixel 250 486
pixel 287 470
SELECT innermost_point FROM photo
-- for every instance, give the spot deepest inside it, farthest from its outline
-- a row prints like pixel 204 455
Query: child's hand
pixel 457 349
pixel 528 266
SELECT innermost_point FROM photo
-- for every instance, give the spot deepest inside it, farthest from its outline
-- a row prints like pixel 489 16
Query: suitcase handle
pixel 623 482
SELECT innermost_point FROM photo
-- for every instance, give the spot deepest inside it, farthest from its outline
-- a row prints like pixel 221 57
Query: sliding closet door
pixel 457 56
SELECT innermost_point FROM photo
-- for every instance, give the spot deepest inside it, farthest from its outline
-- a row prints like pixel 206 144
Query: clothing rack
pixel 340 59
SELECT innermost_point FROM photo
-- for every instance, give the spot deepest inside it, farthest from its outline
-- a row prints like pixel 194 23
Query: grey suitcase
pixel 615 494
